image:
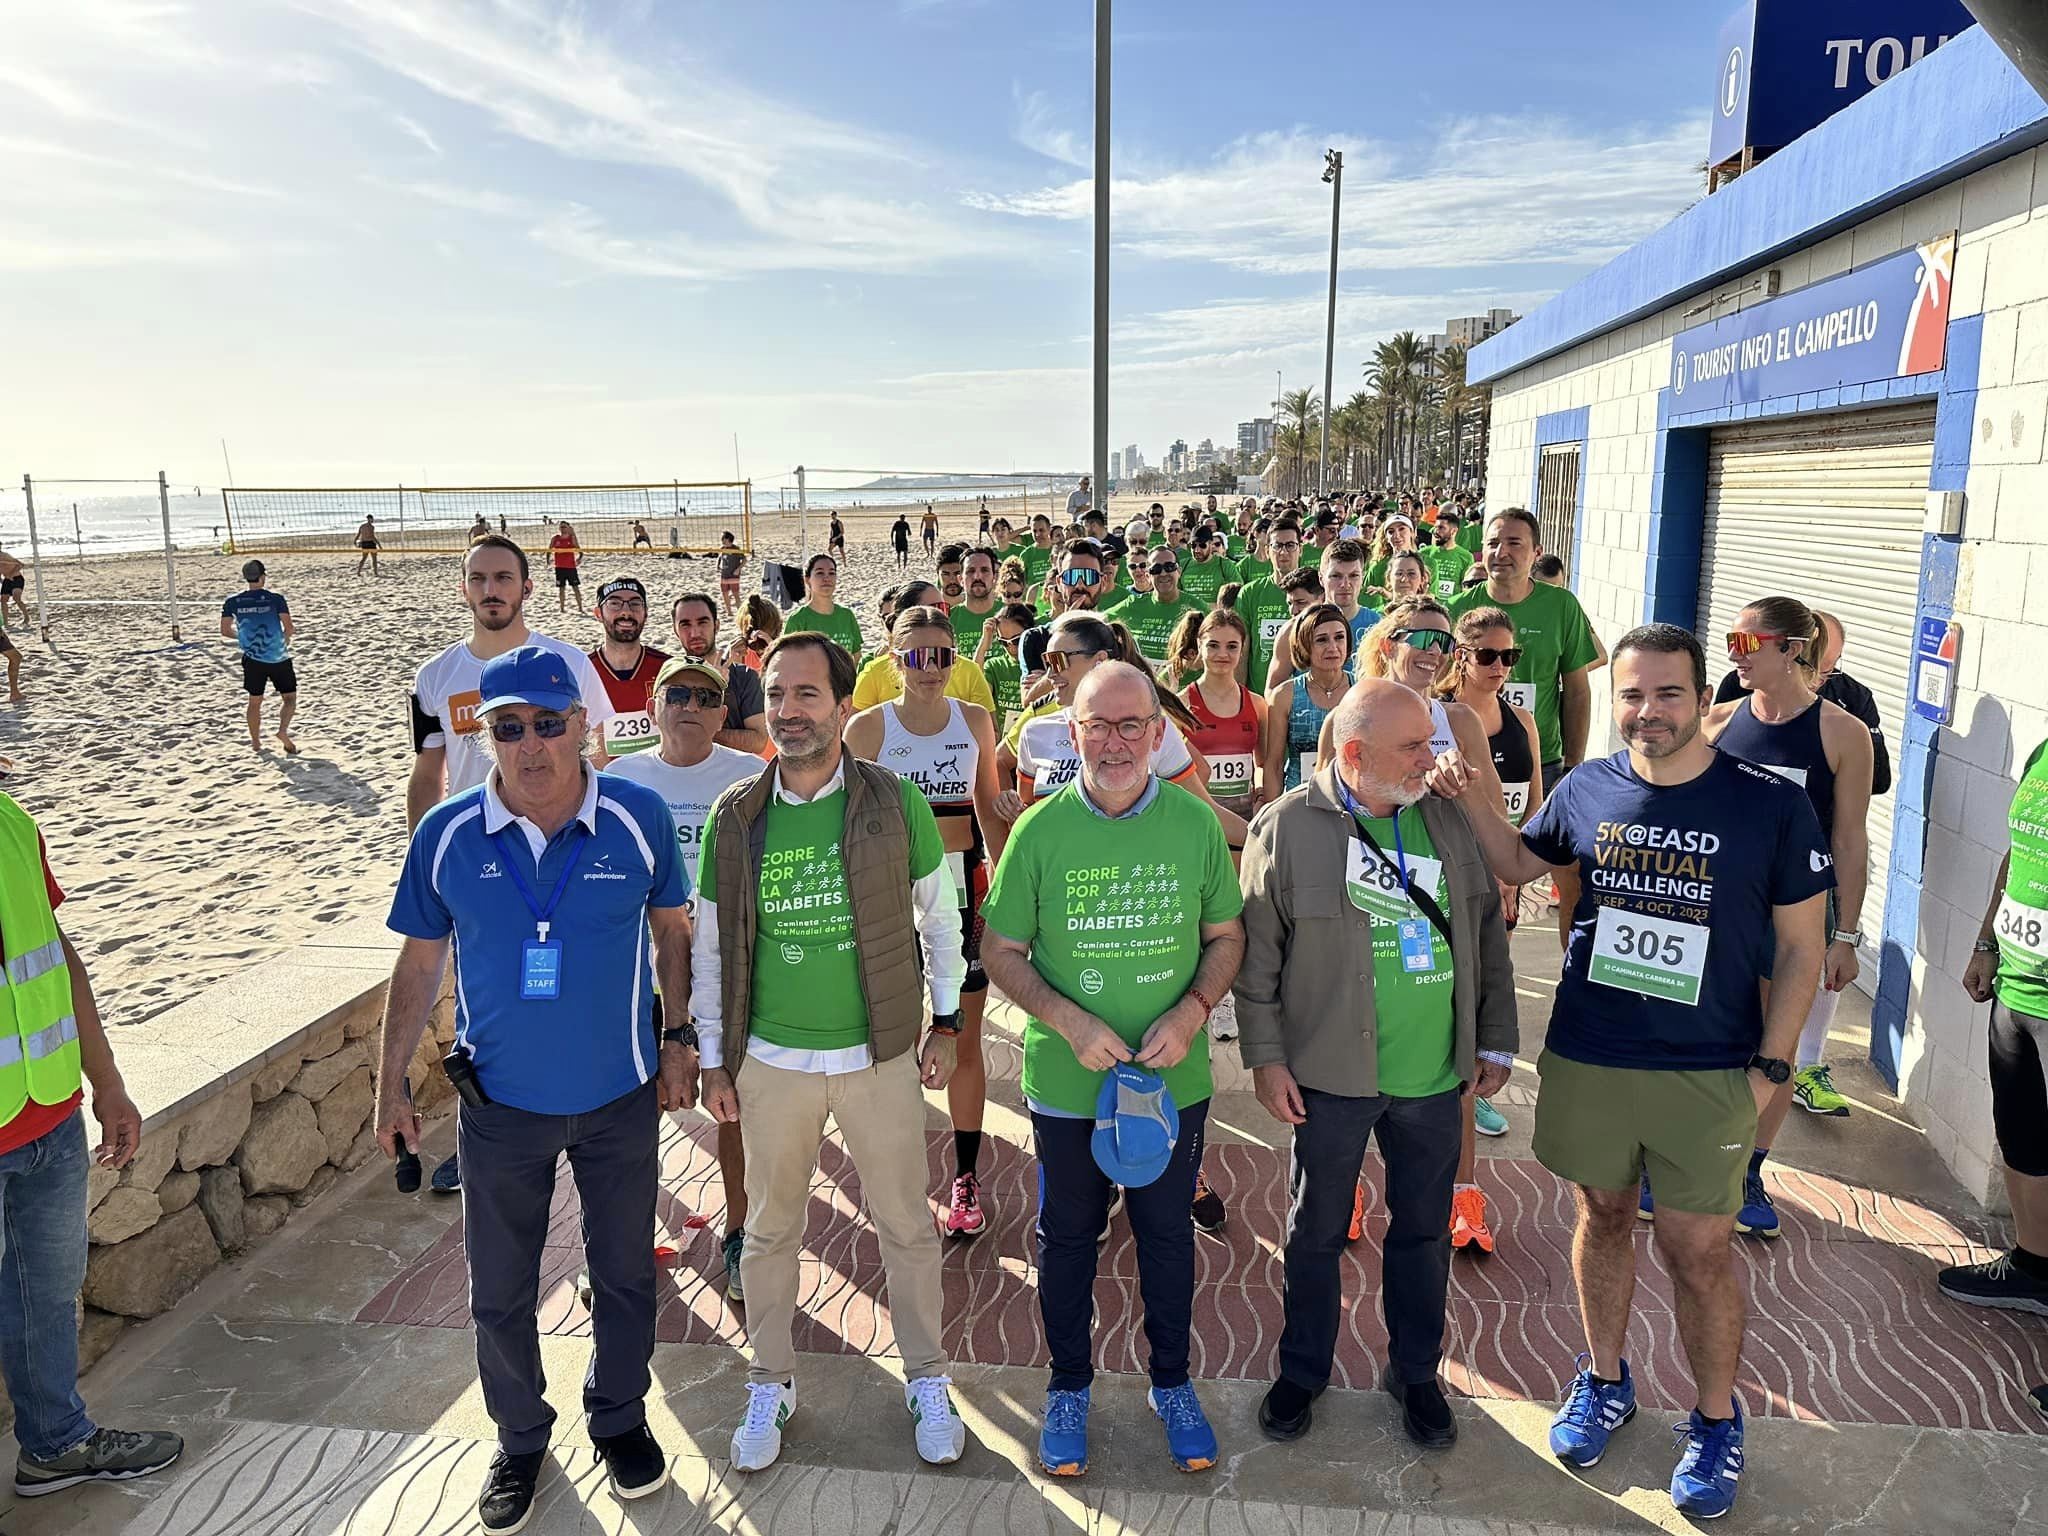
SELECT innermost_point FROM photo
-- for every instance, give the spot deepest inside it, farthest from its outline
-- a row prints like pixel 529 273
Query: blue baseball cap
pixel 1136 1126
pixel 528 674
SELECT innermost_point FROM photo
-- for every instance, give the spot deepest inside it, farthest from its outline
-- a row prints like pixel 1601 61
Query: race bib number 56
pixel 1650 956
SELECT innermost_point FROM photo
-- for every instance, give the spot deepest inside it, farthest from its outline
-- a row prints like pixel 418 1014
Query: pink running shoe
pixel 965 1217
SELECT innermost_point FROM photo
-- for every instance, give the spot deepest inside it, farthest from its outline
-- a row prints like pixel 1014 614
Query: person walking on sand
pixel 13 659
pixel 13 579
pixel 568 558
pixel 366 541
pixel 260 622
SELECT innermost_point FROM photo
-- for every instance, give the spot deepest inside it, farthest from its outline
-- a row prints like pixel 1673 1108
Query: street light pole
pixel 1101 456
pixel 1333 173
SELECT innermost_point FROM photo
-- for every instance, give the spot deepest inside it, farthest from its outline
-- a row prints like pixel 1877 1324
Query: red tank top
pixel 1231 744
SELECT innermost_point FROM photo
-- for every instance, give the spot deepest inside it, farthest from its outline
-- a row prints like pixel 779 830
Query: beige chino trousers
pixel 880 1112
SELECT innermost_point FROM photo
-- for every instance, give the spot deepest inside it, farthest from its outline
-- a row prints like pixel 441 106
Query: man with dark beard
pixel 626 666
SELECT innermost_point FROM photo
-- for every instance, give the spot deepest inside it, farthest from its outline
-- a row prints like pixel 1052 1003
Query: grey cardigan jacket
pixel 1304 993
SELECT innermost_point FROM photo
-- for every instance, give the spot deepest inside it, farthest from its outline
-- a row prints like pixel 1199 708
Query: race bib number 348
pixel 2023 929
pixel 1650 956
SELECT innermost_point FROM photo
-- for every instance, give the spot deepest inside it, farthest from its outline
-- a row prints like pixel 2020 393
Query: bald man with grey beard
pixel 1413 961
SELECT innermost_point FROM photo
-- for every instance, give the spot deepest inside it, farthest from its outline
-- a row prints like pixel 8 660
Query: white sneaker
pixel 1223 1019
pixel 758 1440
pixel 941 1432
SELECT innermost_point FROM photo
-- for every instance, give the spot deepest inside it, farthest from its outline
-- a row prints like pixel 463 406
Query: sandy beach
pixel 184 857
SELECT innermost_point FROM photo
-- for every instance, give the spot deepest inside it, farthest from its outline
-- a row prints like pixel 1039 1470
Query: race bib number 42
pixel 1650 956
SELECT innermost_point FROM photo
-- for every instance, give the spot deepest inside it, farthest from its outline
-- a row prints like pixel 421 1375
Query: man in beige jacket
pixel 1376 990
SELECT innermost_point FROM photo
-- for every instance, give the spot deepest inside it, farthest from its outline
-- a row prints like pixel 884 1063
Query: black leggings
pixel 2019 1089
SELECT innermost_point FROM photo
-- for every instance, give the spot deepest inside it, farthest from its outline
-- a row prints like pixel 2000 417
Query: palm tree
pixel 1301 413
pixel 1352 424
pixel 1406 353
pixel 1457 400
pixel 1383 377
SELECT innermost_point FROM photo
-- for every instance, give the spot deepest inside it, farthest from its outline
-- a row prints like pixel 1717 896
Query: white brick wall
pixel 2001 595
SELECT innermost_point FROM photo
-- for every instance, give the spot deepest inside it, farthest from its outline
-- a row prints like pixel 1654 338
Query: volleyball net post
pixel 163 501
pixel 94 585
pixel 35 557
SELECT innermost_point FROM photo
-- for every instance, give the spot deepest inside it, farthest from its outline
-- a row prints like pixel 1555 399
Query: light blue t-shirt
pixel 259 623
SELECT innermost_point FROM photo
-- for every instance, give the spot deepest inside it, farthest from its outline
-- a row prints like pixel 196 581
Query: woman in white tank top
pixel 947 748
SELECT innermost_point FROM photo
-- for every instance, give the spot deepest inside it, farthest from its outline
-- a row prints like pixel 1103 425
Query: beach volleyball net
pixel 669 516
pixel 868 501
pixel 95 549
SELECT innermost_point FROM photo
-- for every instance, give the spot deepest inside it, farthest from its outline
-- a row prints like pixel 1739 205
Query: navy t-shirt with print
pixel 1715 853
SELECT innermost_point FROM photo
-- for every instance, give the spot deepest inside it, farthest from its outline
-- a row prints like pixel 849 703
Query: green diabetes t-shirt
pixel 967 626
pixel 1472 536
pixel 1113 912
pixel 1151 622
pixel 1263 607
pixel 1411 962
pixel 807 993
pixel 1006 683
pixel 1036 563
pixel 1202 581
pixel 1551 629
pixel 1448 565
pixel 1251 568
pixel 2021 925
pixel 1234 547
pixel 840 625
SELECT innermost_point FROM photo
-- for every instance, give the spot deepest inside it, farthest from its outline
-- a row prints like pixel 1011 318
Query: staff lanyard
pixel 1351 805
pixel 543 916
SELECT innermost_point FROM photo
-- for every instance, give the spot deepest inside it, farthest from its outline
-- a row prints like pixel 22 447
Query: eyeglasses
pixel 1489 656
pixel 546 727
pixel 1097 731
pixel 1164 569
pixel 1057 662
pixel 1742 644
pixel 925 658
pixel 1080 577
pixel 681 696
pixel 1438 640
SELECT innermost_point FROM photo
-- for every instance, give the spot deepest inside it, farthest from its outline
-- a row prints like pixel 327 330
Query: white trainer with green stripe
pixel 758 1441
pixel 941 1432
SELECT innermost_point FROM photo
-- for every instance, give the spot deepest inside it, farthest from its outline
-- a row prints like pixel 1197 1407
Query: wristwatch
pixel 946 1023
pixel 685 1036
pixel 1850 936
pixel 1772 1067
pixel 1984 947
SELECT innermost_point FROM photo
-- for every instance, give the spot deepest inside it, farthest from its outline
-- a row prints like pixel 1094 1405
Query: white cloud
pixel 1488 192
pixel 416 133
pixel 1037 131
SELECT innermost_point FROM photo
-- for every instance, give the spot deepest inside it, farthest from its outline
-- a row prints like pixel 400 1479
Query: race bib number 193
pixel 1650 956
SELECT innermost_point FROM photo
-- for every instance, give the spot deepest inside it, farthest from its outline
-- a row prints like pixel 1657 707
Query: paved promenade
pixel 327 1383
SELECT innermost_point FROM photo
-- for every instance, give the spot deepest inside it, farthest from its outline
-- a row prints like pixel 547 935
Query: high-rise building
pixel 1255 438
pixel 1116 467
pixel 1133 460
pixel 1177 457
pixel 1205 455
pixel 1470 330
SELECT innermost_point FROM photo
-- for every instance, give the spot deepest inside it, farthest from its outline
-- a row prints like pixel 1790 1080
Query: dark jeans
pixel 508 1184
pixel 1419 1140
pixel 1073 1205
pixel 42 1265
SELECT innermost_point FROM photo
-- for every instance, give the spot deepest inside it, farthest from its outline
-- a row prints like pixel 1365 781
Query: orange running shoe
pixel 1358 1212
pixel 1468 1220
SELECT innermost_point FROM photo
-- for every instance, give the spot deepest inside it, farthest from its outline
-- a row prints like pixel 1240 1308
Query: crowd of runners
pixel 1278 774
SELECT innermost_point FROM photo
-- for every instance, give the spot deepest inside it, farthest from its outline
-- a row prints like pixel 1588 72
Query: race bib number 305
pixel 1650 956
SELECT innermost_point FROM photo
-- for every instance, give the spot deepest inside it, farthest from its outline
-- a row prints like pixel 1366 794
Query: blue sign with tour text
pixel 1888 320
pixel 1785 66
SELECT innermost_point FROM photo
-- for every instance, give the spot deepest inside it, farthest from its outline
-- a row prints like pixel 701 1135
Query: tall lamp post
pixel 1333 173
pixel 1101 455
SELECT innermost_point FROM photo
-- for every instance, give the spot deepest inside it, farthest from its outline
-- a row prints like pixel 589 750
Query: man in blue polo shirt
pixel 563 890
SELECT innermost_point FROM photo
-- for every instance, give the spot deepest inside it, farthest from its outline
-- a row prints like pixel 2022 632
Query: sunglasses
pixel 1057 662
pixel 682 696
pixel 1740 644
pixel 1163 570
pixel 1438 640
pixel 546 727
pixel 925 658
pixel 1488 656
pixel 1080 578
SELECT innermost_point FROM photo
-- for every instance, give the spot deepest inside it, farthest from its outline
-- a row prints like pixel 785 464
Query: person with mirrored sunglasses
pixel 1080 585
pixel 881 677
pixel 948 750
pixel 1151 616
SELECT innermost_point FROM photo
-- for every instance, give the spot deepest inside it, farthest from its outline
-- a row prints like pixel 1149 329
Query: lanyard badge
pixel 540 958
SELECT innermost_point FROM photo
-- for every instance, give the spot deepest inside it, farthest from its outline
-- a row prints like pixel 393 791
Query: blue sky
pixel 373 240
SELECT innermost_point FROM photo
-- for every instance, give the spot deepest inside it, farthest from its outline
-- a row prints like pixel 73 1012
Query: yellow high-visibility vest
pixel 39 1057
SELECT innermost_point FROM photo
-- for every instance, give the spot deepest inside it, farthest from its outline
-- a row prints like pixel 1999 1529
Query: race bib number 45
pixel 1650 956
pixel 1521 695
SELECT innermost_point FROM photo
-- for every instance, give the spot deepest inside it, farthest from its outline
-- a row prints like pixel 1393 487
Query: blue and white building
pixel 1830 379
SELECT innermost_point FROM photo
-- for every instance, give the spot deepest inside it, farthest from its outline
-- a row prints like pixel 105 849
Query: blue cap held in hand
pixel 1136 1126
pixel 528 674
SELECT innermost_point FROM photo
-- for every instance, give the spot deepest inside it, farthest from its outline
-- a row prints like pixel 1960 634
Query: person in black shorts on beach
pixel 13 579
pixel 260 622
pixel 899 535
pixel 366 541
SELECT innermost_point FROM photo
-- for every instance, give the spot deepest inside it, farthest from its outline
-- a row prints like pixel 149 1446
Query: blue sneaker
pixel 1758 1217
pixel 1592 1412
pixel 1063 1442
pixel 1704 1484
pixel 1189 1439
pixel 1646 1208
pixel 447 1178
pixel 1487 1120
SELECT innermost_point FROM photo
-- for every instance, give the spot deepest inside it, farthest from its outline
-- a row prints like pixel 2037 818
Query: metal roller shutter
pixel 1828 510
